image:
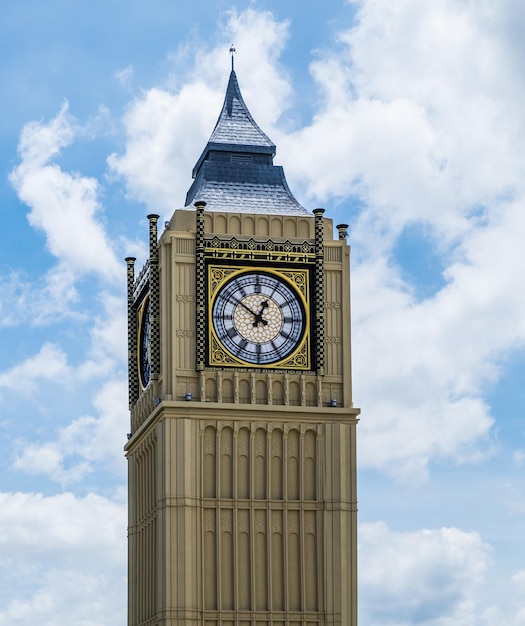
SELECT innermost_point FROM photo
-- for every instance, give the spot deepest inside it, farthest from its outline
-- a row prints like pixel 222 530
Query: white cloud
pixel 518 457
pixel 64 206
pixel 66 558
pixel 87 442
pixel 50 364
pixel 423 126
pixel 40 302
pixel 108 349
pixel 513 611
pixel 519 580
pixel 424 576
pixel 421 121
pixel 164 135
pixel 125 76
pixel 166 132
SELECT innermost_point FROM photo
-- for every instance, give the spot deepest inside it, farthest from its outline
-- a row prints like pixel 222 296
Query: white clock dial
pixel 258 317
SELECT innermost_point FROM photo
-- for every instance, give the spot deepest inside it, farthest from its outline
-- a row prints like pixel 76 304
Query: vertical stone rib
pixel 133 377
pixel 154 294
pixel 200 284
pixel 319 291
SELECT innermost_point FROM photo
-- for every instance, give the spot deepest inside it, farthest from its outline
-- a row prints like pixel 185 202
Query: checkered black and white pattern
pixel 200 287
pixel 319 290
pixel 133 377
pixel 154 297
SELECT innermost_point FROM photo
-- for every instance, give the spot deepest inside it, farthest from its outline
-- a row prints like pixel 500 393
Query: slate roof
pixel 235 172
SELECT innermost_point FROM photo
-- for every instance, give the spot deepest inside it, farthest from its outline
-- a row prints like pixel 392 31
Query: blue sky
pixel 404 119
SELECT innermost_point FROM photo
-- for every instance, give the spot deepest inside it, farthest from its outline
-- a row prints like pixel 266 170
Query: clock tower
pixel 242 451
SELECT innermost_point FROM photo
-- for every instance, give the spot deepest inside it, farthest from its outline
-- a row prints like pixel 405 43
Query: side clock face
pixel 258 318
pixel 144 343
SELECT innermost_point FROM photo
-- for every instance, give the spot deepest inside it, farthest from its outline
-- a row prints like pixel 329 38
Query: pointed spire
pixel 235 171
pixel 232 52
pixel 236 130
pixel 235 121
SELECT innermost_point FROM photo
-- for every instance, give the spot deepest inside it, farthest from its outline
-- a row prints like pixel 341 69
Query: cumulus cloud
pixel 167 130
pixel 164 135
pixel 41 302
pixel 63 206
pixel 49 364
pixel 66 558
pixel 420 123
pixel 108 350
pixel 86 442
pixel 513 613
pixel 424 576
pixel 417 111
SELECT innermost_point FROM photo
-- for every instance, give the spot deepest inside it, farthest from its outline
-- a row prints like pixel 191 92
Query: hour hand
pixel 258 316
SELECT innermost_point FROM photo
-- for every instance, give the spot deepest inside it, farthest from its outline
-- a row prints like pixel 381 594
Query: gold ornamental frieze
pixel 233 248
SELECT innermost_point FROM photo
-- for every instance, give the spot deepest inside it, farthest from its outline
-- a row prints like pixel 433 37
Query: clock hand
pixel 247 308
pixel 258 316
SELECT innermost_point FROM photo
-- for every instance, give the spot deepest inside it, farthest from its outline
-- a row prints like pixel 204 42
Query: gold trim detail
pixel 141 309
pixel 298 280
pixel 233 248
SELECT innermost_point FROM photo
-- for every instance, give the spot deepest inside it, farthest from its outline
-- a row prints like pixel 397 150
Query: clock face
pixel 144 343
pixel 258 317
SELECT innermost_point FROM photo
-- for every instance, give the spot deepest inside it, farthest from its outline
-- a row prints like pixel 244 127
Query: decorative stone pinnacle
pixel 343 230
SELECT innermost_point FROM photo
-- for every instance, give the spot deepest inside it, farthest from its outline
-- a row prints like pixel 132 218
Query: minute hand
pixel 247 308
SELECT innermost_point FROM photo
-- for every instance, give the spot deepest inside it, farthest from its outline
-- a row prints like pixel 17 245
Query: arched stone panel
pixel 277 227
pixel 310 568
pixel 244 566
pixel 294 562
pixel 227 390
pixel 277 560
pixel 262 226
pixel 261 395
pixel 221 226
pixel 209 480
pixel 290 228
pixel 310 465
pixel 261 562
pixel 311 394
pixel 210 556
pixel 227 580
pixel 259 478
pixel 277 465
pixel 295 393
pixel 244 392
pixel 248 226
pixel 292 468
pixel 243 463
pixel 226 452
pixel 304 229
pixel 277 392
pixel 235 224
pixel 211 390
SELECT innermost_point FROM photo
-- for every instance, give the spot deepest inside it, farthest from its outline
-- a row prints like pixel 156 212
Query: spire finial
pixel 232 52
